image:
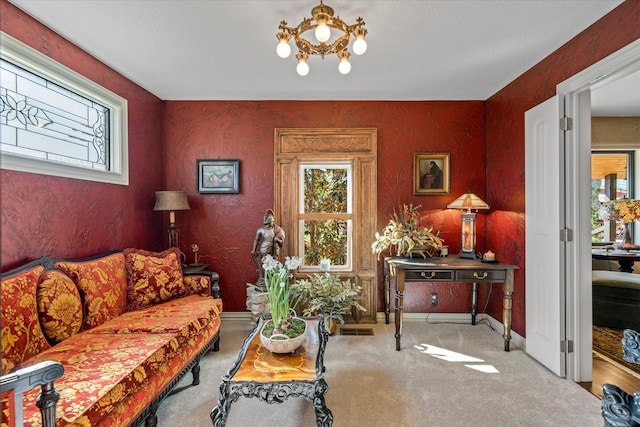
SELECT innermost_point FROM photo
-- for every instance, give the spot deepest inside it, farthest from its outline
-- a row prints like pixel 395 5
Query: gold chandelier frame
pixel 322 14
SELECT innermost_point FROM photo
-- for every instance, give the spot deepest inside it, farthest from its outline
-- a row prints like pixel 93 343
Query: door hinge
pixel 566 235
pixel 566 123
pixel 566 346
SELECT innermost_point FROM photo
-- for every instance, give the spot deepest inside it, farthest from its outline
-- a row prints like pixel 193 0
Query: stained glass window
pixel 56 122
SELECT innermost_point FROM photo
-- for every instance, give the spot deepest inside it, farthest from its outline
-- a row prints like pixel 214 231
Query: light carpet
pixel 446 375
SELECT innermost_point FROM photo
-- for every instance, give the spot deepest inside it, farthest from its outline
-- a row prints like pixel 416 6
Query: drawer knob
pixel 428 274
pixel 480 276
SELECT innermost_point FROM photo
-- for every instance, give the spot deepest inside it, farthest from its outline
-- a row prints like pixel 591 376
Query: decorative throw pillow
pixel 153 277
pixel 59 306
pixel 102 284
pixel 22 337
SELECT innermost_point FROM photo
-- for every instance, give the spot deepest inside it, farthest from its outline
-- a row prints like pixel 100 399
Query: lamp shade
pixel 468 201
pixel 171 201
pixel 625 210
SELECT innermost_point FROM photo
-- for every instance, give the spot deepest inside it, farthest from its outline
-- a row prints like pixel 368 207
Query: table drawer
pixel 481 275
pixel 428 275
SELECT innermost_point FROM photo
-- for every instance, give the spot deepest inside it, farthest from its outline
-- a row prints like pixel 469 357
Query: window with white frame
pixel 54 121
pixel 325 214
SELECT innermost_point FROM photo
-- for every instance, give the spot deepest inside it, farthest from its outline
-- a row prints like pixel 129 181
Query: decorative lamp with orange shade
pixel 468 202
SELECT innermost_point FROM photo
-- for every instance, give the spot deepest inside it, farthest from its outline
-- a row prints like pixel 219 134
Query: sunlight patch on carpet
pixel 455 357
pixel 488 369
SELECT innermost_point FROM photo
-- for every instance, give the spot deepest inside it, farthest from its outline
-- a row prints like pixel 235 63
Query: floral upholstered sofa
pixel 116 333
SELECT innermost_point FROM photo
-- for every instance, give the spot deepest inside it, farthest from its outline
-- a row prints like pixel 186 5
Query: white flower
pixel 293 262
pixel 269 263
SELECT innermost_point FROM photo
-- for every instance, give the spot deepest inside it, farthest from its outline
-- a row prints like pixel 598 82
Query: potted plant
pixel 405 235
pixel 326 294
pixel 284 332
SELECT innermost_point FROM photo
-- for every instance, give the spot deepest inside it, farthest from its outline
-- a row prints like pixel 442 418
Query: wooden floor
pixel 605 372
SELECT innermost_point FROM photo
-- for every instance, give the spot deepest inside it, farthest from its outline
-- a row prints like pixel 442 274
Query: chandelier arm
pixel 322 49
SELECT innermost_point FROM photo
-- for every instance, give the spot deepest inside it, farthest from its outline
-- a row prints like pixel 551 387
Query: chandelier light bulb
pixel 283 49
pixel 323 32
pixel 344 67
pixel 359 46
pixel 302 68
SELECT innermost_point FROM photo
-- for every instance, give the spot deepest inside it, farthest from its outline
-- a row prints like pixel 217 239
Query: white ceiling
pixel 225 50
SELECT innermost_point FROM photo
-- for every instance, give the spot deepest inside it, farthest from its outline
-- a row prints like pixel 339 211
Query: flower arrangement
pixel 276 278
pixel 327 295
pixel 405 235
pixel 625 210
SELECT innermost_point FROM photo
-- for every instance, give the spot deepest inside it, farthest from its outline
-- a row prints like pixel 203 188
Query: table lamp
pixel 172 201
pixel 468 201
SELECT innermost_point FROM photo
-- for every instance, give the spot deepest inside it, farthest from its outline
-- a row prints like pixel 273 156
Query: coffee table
pixel 273 378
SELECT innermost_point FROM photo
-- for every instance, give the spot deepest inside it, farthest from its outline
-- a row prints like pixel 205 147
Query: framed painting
pixel 431 173
pixel 218 176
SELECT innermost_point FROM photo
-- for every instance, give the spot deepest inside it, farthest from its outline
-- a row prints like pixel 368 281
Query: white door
pixel 544 222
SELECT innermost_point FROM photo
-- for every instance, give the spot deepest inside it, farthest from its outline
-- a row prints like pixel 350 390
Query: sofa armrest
pixel 213 277
pixel 41 374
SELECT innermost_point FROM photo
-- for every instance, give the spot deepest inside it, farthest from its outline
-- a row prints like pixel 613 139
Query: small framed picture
pixel 431 173
pixel 218 176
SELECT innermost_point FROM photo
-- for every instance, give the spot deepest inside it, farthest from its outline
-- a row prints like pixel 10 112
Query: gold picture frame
pixel 431 173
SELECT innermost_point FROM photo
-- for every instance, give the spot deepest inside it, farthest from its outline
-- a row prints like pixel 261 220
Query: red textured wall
pixel 63 217
pixel 505 134
pixel 44 215
pixel 224 225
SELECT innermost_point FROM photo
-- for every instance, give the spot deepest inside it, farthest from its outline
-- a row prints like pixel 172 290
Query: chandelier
pixel 322 22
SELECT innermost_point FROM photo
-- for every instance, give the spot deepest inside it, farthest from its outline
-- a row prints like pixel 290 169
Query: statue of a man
pixel 269 239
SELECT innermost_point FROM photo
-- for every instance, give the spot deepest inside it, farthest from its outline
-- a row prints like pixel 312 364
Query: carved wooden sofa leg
pixel 41 374
pixel 195 372
pixel 46 402
pixel 152 419
pixel 619 408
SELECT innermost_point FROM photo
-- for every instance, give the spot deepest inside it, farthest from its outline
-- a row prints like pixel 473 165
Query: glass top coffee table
pixel 273 378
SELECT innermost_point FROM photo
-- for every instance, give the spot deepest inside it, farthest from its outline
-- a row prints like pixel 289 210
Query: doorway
pixel 577 93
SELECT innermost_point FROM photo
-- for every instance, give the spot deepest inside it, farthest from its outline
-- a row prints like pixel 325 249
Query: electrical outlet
pixel 434 298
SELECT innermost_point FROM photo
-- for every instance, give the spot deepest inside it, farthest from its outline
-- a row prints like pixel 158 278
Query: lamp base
pixel 470 255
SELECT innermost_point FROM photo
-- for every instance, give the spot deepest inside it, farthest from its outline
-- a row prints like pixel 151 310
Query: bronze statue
pixel 269 239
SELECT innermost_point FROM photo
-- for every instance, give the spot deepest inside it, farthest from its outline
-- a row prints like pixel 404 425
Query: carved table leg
pixel 220 413
pixel 399 306
pixel 324 417
pixel 474 302
pixel 387 298
pixel 507 303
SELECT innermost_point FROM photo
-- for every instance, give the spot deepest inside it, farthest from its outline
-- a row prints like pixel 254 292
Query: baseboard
pixel 517 340
pixel 236 315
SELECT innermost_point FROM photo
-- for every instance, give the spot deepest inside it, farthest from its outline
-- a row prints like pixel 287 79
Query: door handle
pixel 428 274
pixel 479 277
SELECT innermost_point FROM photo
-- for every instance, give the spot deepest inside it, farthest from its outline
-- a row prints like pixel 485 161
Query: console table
pixel 273 378
pixel 448 269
